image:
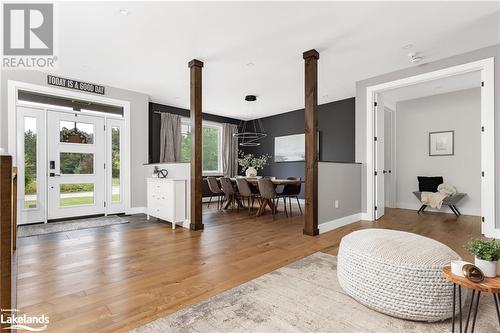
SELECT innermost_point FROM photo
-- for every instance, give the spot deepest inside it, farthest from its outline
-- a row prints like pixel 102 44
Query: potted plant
pixel 486 253
pixel 251 163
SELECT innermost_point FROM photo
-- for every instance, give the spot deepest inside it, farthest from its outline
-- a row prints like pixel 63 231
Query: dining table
pixel 263 203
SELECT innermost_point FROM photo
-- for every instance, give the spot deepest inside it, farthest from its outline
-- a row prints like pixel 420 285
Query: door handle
pixel 52 174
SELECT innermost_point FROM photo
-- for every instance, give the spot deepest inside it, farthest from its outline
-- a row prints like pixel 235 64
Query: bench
pixel 449 201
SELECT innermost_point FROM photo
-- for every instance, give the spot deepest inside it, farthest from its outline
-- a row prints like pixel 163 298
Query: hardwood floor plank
pixel 118 277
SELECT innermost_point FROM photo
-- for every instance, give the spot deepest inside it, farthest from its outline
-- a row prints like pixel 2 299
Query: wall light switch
pixel 336 204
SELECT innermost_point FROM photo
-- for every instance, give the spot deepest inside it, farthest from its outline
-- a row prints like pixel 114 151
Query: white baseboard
pixel 136 210
pixel 366 217
pixel 330 225
pixel 444 209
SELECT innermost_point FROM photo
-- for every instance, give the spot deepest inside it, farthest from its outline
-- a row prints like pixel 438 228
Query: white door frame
pixel 12 88
pixel 486 67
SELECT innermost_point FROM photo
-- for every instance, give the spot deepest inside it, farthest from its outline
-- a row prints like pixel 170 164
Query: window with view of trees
pixel 211 141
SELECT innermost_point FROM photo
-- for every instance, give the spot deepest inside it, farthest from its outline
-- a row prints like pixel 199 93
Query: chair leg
pixel 273 208
pixel 290 206
pixel 300 208
pixel 209 201
pixel 284 204
pixel 249 207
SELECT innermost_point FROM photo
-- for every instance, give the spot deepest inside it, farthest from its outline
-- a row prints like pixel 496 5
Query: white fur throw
pixel 397 273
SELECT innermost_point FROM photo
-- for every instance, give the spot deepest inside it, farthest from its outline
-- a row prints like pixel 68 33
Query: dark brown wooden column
pixel 195 67
pixel 311 121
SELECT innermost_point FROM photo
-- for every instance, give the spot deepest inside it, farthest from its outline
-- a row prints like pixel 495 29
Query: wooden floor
pixel 119 277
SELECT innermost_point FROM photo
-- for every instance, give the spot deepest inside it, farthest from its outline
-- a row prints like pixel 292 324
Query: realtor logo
pixel 28 36
pixel 28 29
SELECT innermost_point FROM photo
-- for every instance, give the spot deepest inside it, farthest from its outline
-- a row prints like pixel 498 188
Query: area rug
pixel 51 227
pixel 301 297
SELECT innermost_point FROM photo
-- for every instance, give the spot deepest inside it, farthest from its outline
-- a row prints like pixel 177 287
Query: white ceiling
pixel 434 87
pixel 148 50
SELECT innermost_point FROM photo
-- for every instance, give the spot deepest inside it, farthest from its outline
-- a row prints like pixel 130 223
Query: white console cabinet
pixel 167 199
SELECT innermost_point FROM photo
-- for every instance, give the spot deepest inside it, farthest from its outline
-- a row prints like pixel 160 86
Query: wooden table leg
pixel 229 201
pixel 262 207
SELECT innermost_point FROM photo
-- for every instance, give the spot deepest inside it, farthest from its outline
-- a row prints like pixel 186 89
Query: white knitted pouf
pixel 397 273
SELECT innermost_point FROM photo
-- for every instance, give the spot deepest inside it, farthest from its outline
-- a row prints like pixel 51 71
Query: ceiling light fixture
pixel 124 12
pixel 250 64
pixel 250 131
pixel 414 58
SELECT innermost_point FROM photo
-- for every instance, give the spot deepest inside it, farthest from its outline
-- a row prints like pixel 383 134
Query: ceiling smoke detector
pixel 414 58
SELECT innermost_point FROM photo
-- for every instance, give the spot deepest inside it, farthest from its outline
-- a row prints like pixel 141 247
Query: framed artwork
pixel 442 143
pixel 290 148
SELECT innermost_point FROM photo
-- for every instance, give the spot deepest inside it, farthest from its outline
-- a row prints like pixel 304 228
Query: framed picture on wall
pixel 290 148
pixel 442 143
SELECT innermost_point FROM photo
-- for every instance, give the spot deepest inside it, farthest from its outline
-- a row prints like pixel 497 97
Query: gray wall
pixel 361 86
pixel 138 125
pixel 342 182
pixel 459 111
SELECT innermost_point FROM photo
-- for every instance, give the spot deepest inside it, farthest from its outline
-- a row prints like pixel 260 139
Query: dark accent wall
pixel 336 134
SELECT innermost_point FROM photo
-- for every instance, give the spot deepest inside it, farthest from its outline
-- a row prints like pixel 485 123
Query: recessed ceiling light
pixel 407 46
pixel 124 12
pixel 414 58
pixel 250 64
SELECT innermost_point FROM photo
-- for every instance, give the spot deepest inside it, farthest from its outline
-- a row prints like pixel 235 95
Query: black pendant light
pixel 250 131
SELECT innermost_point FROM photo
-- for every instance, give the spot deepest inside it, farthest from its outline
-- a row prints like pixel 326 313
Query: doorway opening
pixel 376 157
pixel 71 158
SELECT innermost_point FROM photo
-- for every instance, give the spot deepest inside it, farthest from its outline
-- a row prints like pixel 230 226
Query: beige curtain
pixel 229 150
pixel 170 138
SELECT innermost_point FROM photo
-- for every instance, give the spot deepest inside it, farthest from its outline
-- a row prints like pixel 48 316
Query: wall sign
pixel 74 84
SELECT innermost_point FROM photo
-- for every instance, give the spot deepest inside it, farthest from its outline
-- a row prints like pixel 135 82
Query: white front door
pixel 76 147
pixel 379 157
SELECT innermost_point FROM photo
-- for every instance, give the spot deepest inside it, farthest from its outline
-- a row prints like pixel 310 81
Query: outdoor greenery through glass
pixel 210 142
pixel 76 194
pixel 75 132
pixel 76 163
pixel 115 161
pixel 30 138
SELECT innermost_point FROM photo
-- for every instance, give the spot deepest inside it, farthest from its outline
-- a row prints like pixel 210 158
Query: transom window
pixel 212 145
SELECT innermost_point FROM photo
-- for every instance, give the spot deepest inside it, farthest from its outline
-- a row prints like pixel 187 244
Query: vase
pixel 251 172
pixel 489 268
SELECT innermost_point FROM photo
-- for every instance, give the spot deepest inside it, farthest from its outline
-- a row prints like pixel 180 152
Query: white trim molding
pixel 334 224
pixel 488 198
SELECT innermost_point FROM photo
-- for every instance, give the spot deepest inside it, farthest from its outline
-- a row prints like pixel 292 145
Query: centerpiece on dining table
pixel 251 163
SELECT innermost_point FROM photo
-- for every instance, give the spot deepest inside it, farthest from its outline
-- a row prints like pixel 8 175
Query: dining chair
pixel 291 191
pixel 246 192
pixel 228 189
pixel 214 187
pixel 268 194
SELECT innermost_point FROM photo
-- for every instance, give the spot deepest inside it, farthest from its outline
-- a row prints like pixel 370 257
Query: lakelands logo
pixel 28 35
pixel 23 322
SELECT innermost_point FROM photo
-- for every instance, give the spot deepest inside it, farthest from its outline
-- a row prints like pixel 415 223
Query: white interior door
pixel 76 175
pixel 389 158
pixel 379 157
pixel 32 177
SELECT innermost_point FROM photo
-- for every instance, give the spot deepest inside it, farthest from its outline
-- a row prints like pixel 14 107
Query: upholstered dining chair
pixel 268 193
pixel 291 191
pixel 214 187
pixel 246 192
pixel 228 189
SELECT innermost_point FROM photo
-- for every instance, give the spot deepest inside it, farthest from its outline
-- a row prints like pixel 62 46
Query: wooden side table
pixel 489 285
